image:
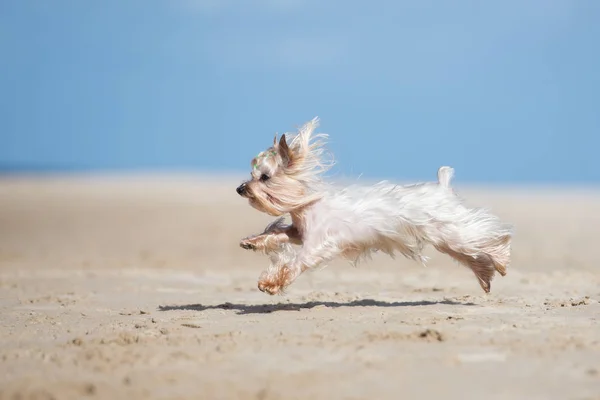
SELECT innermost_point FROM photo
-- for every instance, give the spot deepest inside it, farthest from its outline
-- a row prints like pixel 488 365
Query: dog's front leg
pixel 274 235
pixel 265 242
pixel 286 266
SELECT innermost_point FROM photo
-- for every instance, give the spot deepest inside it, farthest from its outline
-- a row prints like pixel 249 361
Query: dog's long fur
pixel 356 221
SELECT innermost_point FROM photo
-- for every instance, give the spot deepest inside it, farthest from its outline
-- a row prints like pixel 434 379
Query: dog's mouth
pixel 271 199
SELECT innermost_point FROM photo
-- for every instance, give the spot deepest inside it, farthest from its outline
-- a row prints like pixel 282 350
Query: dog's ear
pixel 275 141
pixel 284 151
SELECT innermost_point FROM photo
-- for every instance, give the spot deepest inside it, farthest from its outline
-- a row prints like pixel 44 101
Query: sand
pixel 135 288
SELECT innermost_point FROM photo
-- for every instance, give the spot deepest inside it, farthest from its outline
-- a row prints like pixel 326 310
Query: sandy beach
pixel 136 288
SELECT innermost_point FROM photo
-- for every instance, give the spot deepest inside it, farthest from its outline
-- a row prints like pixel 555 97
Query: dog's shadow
pixel 269 308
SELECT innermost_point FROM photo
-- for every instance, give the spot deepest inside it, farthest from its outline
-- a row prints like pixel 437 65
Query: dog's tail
pixel 445 175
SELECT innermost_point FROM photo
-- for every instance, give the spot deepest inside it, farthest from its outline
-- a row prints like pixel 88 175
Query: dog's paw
pixel 247 246
pixel 269 287
pixel 275 283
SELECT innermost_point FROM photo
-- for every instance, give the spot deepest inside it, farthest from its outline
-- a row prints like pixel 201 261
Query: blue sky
pixel 505 91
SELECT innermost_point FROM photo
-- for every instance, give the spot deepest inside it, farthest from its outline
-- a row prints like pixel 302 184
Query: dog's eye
pixel 264 177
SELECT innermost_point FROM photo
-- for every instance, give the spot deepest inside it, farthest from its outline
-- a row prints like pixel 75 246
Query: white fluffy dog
pixel 356 221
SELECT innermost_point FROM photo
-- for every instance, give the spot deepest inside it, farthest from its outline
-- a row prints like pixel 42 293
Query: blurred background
pixel 507 92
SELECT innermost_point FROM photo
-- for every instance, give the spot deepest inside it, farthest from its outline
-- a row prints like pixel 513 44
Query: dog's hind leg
pixel 484 262
pixel 481 264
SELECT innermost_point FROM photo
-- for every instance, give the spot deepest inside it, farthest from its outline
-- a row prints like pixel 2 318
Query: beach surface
pixel 136 288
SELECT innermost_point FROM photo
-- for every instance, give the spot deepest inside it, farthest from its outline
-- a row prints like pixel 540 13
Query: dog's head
pixel 284 177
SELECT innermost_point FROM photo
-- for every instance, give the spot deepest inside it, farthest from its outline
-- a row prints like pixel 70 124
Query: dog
pixel 357 221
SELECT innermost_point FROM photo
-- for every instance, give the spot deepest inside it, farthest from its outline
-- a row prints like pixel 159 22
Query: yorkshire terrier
pixel 356 221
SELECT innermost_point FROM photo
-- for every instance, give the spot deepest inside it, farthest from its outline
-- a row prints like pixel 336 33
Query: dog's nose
pixel 241 189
